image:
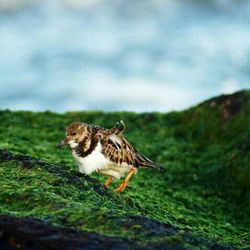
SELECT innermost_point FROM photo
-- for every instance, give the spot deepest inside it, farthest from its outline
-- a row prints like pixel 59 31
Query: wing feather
pixel 115 148
pixel 119 128
pixel 118 150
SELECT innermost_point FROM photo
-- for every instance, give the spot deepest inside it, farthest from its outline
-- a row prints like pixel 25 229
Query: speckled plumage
pixel 102 150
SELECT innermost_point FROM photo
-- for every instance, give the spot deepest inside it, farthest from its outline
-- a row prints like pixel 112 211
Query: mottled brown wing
pixel 118 150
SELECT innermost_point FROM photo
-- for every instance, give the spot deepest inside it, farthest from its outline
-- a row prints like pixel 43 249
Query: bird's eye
pixel 73 133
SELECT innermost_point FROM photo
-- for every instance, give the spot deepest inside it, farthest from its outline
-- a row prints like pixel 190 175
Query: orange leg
pixel 125 183
pixel 108 181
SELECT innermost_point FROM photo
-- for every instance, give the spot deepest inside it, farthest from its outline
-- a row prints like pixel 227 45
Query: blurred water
pixel 121 55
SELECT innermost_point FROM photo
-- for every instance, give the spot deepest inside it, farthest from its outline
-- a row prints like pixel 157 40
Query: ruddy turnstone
pixel 105 151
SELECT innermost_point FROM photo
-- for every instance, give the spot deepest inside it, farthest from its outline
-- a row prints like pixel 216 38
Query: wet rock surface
pixel 30 233
pixel 200 202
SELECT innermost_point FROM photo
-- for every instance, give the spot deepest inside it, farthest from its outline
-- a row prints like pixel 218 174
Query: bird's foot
pixel 121 187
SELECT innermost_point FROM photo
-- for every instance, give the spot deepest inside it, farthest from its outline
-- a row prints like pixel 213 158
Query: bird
pixel 105 151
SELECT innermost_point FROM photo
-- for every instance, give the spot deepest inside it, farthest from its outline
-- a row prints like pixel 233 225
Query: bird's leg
pixel 125 183
pixel 108 181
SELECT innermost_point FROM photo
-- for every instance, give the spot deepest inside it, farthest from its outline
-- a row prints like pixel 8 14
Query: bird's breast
pixel 93 161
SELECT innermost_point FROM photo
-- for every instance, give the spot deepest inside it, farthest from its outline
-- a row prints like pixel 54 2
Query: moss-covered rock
pixel 201 201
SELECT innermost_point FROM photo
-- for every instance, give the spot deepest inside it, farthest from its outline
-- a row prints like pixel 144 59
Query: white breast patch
pixel 92 162
pixel 97 162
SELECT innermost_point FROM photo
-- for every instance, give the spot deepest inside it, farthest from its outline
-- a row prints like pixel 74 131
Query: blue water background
pixel 132 55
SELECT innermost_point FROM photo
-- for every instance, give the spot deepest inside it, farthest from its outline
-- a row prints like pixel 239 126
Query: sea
pixel 121 55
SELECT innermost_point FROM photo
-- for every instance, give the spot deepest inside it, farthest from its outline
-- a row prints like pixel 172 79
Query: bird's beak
pixel 63 142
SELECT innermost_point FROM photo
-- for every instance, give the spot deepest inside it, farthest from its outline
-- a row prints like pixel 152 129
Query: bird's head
pixel 75 133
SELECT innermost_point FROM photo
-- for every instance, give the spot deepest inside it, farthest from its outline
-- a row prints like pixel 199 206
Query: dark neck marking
pixel 80 148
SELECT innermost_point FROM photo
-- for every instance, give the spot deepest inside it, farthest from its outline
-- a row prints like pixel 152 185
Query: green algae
pixel 204 191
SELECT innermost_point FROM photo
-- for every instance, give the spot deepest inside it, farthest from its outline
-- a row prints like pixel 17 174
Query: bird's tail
pixel 143 161
pixel 119 128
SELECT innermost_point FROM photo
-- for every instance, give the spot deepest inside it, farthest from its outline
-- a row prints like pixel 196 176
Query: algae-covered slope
pixel 201 201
